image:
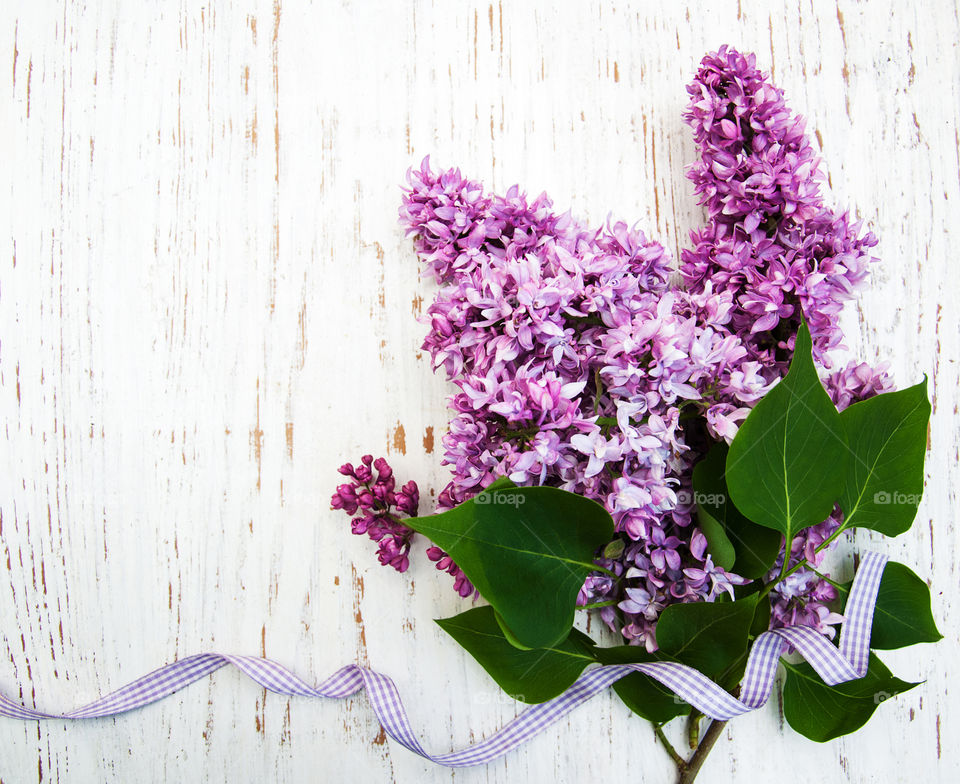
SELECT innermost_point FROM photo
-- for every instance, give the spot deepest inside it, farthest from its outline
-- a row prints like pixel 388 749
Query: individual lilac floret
pixel 377 503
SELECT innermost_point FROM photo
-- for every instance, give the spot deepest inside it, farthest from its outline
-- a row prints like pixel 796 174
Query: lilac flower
pixel 445 564
pixel 375 499
pixel 572 357
pixel 781 254
pixel 718 580
pixel 801 600
pixel 770 241
pixel 723 420
pixel 858 381
pixel 598 449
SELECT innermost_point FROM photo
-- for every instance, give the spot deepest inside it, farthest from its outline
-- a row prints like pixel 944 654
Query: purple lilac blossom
pixel 578 365
pixel 375 500
pixel 782 254
pixel 770 241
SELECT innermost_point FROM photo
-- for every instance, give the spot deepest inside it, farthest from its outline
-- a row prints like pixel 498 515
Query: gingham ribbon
pixel 834 665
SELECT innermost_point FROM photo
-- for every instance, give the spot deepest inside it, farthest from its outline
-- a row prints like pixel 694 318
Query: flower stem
pixel 693 728
pixel 599 390
pixel 679 761
pixel 595 605
pixel 609 572
pixel 826 579
pixel 689 770
pixel 785 573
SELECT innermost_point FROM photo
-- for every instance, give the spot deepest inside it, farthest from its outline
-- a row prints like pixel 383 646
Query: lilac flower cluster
pixel 780 252
pixel 578 365
pixel 770 241
pixel 376 502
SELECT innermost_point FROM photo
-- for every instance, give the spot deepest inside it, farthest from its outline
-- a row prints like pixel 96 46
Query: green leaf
pixel 710 636
pixel 887 435
pixel 534 675
pixel 527 550
pixel 761 618
pixel 902 615
pixel 645 696
pixel 822 712
pixel 508 635
pixel 786 466
pixel 718 543
pixel 734 542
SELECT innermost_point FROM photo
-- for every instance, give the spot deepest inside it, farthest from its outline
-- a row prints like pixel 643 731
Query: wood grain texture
pixel 206 305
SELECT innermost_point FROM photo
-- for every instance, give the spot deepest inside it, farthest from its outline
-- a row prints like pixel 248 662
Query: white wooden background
pixel 207 304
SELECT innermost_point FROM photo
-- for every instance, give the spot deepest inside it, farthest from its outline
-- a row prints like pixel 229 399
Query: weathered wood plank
pixel 206 305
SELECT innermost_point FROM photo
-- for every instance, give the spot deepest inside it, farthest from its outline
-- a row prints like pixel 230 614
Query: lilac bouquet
pixel 581 362
pixel 578 365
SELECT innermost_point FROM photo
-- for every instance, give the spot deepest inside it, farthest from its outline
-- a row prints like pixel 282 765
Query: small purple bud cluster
pixel 377 502
pixel 445 564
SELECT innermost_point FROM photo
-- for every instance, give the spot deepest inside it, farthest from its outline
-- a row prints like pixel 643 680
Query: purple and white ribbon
pixel 834 665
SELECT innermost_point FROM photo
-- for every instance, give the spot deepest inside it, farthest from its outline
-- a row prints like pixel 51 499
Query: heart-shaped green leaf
pixel 786 465
pixel 527 550
pixel 902 615
pixel 735 543
pixel 710 636
pixel 822 712
pixel 533 675
pixel 887 435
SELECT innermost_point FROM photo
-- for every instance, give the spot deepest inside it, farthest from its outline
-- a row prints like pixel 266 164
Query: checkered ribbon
pixel 834 665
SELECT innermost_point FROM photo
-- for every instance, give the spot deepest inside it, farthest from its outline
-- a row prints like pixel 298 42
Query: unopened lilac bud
pixel 383 468
pixel 359 525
